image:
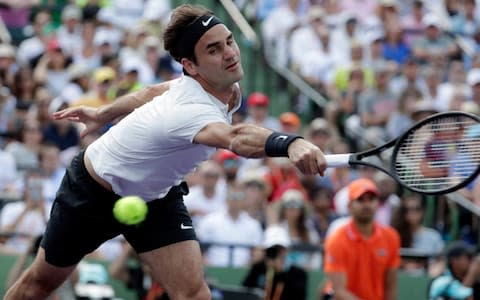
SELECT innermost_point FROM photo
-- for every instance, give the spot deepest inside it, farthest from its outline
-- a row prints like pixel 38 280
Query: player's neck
pixel 221 93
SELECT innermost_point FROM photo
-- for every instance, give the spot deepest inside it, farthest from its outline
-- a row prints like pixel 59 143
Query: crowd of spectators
pixel 382 65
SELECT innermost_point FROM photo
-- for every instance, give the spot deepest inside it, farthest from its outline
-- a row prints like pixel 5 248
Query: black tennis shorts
pixel 82 219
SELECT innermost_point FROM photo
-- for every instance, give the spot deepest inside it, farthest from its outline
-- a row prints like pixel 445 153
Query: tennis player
pixel 148 153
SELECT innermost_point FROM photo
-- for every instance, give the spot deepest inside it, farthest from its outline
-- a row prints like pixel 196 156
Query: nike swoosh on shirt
pixel 185 226
pixel 205 23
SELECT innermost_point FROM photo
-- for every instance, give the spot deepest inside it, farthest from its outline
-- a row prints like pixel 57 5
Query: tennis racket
pixel 437 155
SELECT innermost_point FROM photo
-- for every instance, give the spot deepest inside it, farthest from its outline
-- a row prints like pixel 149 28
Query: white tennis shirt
pixel 152 148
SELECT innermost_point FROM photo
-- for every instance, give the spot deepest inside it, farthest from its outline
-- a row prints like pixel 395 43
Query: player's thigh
pixel 177 267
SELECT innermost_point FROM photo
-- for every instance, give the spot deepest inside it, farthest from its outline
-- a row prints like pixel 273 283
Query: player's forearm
pixel 127 103
pixel 249 140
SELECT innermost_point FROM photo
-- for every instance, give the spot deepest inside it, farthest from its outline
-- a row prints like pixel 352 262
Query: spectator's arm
pixel 391 284
pixel 339 285
pixel 40 71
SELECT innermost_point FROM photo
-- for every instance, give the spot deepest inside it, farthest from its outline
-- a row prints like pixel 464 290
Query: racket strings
pixel 440 154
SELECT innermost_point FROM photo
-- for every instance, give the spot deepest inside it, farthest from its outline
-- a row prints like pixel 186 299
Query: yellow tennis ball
pixel 130 210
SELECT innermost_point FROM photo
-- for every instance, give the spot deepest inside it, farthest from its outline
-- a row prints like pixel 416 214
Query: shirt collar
pixel 355 235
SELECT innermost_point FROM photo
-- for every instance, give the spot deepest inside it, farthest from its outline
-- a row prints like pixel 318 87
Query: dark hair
pixel 182 17
pixel 300 223
pixel 400 223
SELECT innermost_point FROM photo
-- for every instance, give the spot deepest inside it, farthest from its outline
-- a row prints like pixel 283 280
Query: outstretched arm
pixel 249 140
pixel 96 118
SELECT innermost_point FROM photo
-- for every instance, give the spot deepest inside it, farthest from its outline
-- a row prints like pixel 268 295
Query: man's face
pixel 363 209
pixel 218 58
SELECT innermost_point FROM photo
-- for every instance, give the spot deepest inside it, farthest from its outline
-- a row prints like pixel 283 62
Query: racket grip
pixel 337 160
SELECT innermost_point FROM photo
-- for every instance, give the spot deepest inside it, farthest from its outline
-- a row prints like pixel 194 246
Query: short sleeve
pixel 187 120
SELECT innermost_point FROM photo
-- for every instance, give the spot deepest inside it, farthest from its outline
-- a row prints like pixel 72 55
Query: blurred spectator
pixel 230 226
pixel 78 84
pixel 27 146
pixel 377 104
pixel 129 81
pixel 107 32
pixel 362 248
pixel 473 80
pixel 7 110
pixel 412 23
pixel 409 80
pixel 51 69
pixel 69 34
pixel 388 199
pixel 103 85
pixel 24 87
pixel 466 22
pixel 88 53
pixel 281 176
pixel 401 118
pixel 272 274
pixel 31 49
pixel 293 217
pixel 15 15
pixel 394 47
pixel 433 78
pixel 61 133
pixel 460 280
pixel 343 38
pixel 9 174
pixel 358 62
pixel 230 162
pixel 456 81
pixel 277 28
pixel 290 123
pixel 307 38
pixel 322 211
pixel 408 221
pixel 51 169
pixel 256 193
pixel 206 197
pixel 27 218
pixel 8 65
pixel 40 111
pixel 434 43
pixel 320 133
pixel 257 105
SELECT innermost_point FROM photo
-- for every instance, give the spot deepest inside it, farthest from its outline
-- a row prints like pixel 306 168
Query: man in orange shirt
pixel 362 257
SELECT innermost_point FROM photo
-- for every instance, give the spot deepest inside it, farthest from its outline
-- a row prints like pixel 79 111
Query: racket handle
pixel 337 160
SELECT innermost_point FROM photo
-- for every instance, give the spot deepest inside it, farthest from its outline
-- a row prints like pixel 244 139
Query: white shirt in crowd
pixel 219 227
pixel 197 201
